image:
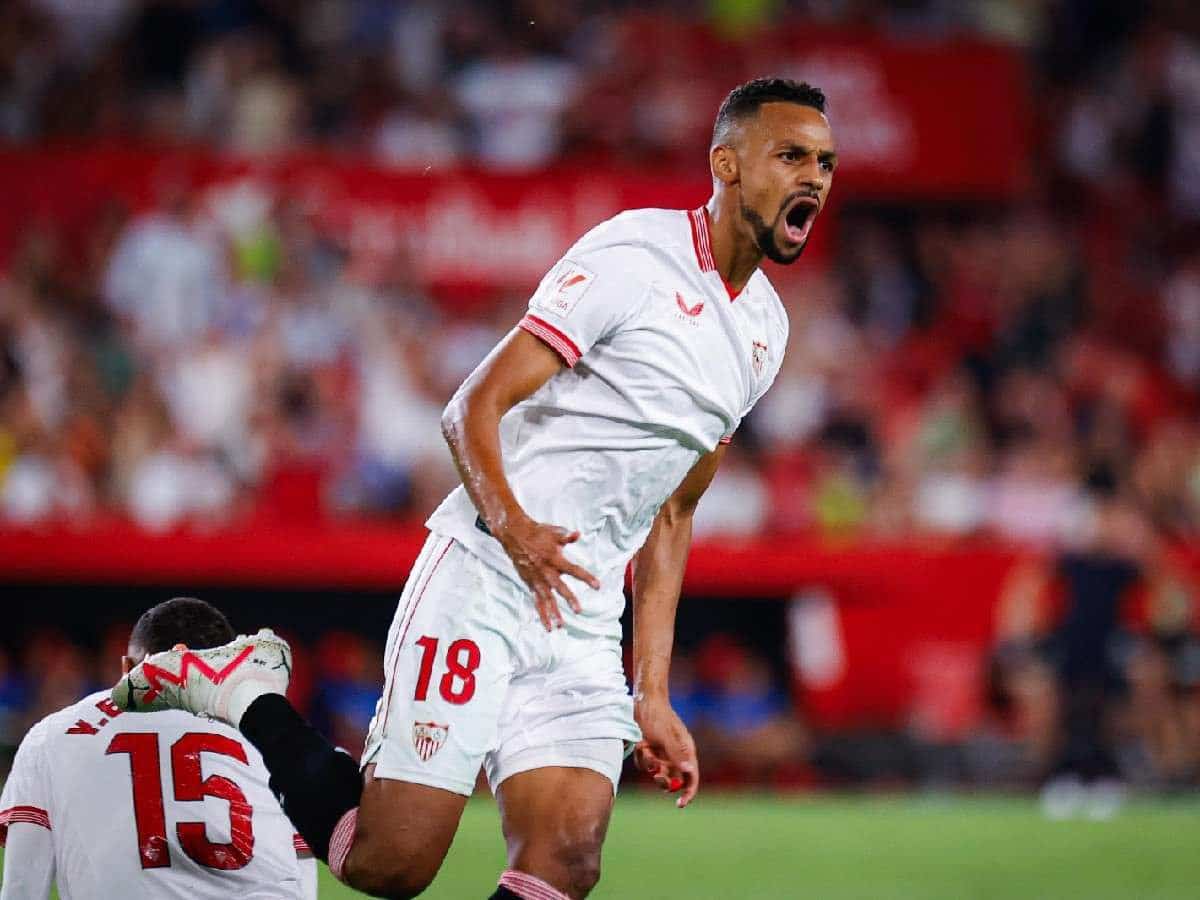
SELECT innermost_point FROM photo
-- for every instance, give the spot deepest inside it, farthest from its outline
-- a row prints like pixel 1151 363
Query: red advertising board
pixel 913 116
pixel 881 630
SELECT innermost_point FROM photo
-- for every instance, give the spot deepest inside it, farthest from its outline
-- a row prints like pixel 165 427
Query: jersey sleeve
pixel 25 823
pixel 309 878
pixel 26 795
pixel 306 865
pixel 585 298
pixel 28 863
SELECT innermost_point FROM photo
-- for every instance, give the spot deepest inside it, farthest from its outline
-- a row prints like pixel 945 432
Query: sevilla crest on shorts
pixel 428 738
pixel 758 356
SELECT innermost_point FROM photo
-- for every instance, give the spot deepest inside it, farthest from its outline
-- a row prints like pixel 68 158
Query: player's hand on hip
pixel 667 752
pixel 536 550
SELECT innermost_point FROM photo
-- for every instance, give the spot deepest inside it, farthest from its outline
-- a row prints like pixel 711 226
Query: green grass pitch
pixel 728 847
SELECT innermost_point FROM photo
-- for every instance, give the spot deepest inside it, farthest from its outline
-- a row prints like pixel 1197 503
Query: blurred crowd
pixel 954 370
pixel 1028 370
pixel 415 82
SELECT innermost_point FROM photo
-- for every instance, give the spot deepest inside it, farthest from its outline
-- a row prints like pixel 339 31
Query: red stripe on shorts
pixel 387 703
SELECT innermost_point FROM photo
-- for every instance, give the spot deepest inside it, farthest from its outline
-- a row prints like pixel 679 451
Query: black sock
pixel 503 893
pixel 316 783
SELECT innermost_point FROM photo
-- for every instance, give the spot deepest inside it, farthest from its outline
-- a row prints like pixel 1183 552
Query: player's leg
pixel 563 732
pixel 401 833
pixel 447 665
pixel 554 822
pixel 381 836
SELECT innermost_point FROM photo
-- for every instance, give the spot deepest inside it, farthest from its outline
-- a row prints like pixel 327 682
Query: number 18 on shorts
pixel 473 679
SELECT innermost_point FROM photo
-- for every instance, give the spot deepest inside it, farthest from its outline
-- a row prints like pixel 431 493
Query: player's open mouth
pixel 798 221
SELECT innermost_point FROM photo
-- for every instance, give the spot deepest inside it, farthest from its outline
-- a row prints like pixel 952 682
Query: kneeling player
pixel 111 805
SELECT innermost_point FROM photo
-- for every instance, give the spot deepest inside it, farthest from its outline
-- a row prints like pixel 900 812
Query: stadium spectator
pixel 745 728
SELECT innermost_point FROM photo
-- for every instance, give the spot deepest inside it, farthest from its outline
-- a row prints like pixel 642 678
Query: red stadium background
pixel 991 300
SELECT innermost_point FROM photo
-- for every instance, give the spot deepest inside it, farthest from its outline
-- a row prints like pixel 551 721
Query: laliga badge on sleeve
pixel 562 291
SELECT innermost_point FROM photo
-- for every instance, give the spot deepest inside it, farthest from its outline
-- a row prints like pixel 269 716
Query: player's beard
pixel 764 238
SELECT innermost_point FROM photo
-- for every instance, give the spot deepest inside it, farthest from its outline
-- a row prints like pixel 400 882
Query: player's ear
pixel 724 164
pixel 127 664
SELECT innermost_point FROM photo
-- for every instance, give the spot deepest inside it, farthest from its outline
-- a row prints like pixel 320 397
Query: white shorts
pixel 472 677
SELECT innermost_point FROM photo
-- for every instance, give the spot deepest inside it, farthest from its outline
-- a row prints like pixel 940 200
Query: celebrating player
pixel 115 806
pixel 584 441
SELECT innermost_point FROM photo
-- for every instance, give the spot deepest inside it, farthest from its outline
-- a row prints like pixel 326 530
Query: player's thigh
pixel 402 835
pixel 448 668
pixel 554 820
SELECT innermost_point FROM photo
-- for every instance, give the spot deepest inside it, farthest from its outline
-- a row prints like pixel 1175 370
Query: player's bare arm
pixel 518 366
pixel 666 751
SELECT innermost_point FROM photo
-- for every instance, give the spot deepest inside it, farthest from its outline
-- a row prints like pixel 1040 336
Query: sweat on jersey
pixel 663 362
pixel 157 805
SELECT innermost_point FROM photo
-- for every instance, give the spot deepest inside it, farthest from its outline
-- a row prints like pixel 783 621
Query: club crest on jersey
pixel 428 738
pixel 758 357
pixel 563 290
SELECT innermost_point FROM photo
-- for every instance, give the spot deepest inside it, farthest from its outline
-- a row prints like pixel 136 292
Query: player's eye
pixel 788 156
pixel 828 165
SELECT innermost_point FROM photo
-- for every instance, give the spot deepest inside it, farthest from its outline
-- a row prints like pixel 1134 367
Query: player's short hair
pixel 182 620
pixel 745 99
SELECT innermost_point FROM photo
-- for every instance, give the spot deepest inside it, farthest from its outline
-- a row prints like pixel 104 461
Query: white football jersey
pixel 157 805
pixel 663 364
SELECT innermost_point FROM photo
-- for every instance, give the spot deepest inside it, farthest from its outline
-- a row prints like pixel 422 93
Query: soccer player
pixel 584 441
pixel 169 806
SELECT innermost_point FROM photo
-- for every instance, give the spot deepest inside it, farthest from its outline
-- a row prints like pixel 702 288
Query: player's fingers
pixel 647 760
pixel 545 606
pixel 567 537
pixel 690 774
pixel 552 609
pixel 661 772
pixel 669 778
pixel 565 592
pixel 565 565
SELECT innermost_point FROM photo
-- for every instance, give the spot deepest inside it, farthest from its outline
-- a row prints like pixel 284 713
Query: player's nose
pixel 812 178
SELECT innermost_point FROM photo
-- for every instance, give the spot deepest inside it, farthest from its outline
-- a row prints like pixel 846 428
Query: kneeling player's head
pixel 183 620
pixel 772 151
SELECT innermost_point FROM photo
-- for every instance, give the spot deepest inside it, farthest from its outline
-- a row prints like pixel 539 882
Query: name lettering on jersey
pixel 106 706
pixel 562 293
pixel 156 676
pixel 758 357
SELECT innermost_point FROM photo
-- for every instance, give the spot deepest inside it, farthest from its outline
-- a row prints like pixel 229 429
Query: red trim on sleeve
pixel 728 439
pixel 31 815
pixel 303 851
pixel 552 337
